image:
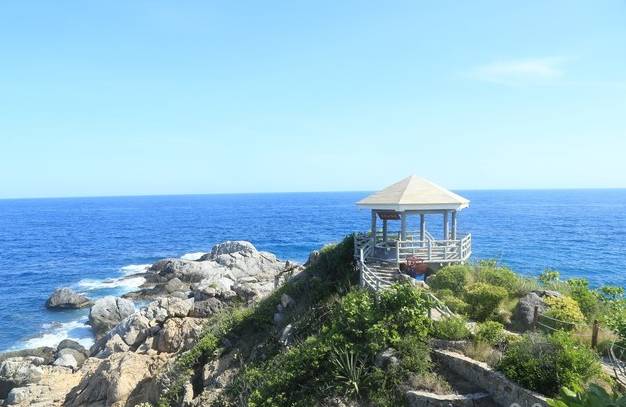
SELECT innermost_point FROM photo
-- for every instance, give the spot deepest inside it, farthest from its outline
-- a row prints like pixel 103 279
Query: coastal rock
pixel 17 372
pixel 71 344
pixel 178 334
pixel 115 345
pixel 165 308
pixel 108 312
pixel 228 247
pixel 175 285
pixel 66 360
pixel 79 357
pixel 66 298
pixel 314 257
pixel 124 379
pixel 202 309
pixel 45 353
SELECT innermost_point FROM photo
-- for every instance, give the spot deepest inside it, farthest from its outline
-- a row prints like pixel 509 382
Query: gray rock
pixel 286 337
pixel 286 301
pixel 66 298
pixel 314 257
pixel 171 307
pixel 202 309
pixel 66 360
pixel 70 344
pixel 17 372
pixel 114 345
pixel 107 312
pixel 79 357
pixel 178 334
pixel 175 285
pixel 386 358
pixel 44 352
pixel 246 292
pixel 229 247
pixel 525 309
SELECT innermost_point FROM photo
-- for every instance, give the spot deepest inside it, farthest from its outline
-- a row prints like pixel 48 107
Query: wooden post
pixel 446 234
pixel 385 230
pixel 373 229
pixel 594 334
pixel 535 317
pixel 403 226
pixel 453 225
pixel 422 228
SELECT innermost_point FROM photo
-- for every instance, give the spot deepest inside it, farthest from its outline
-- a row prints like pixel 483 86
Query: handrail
pixel 368 278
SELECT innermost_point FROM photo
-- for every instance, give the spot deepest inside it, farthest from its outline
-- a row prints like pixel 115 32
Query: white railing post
pixel 430 249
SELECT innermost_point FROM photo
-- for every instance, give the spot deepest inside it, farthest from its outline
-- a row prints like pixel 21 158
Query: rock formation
pixel 66 298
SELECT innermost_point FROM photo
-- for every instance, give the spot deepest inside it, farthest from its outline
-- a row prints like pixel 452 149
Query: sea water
pixel 91 244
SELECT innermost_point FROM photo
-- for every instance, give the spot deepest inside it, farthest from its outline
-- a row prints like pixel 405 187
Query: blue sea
pixel 90 243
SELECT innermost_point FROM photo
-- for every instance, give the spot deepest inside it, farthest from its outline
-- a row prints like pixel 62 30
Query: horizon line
pixel 150 195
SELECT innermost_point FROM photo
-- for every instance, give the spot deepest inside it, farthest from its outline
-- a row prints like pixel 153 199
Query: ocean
pixel 89 243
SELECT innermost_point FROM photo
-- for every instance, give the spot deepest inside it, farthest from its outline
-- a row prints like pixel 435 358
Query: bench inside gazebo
pixel 382 252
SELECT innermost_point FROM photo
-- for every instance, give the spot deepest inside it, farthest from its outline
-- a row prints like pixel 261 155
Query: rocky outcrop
pixel 525 309
pixel 124 379
pixel 107 312
pixel 66 298
pixel 121 368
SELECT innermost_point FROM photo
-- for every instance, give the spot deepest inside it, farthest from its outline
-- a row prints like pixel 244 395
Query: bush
pixel 501 277
pixel 564 309
pixel 547 363
pixel 549 277
pixel 451 329
pixel 490 332
pixel 452 278
pixel 456 304
pixel 593 396
pixel 483 300
pixel 588 300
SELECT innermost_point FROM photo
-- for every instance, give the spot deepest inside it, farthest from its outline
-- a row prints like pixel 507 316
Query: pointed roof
pixel 414 193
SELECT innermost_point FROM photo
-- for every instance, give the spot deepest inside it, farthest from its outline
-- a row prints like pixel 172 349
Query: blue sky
pixel 156 97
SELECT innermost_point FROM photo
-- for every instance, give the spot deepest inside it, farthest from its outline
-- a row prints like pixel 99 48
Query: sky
pixel 161 97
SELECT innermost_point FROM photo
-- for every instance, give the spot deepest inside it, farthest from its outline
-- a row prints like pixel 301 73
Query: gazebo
pixel 412 196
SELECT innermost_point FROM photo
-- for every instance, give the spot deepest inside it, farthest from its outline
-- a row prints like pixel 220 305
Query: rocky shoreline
pixel 133 345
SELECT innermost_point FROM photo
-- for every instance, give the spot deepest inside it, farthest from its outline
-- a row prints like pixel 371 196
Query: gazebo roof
pixel 414 193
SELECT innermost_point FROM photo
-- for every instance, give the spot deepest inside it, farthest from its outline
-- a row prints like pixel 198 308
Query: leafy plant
pixel 490 332
pixel 564 309
pixel 349 371
pixel 453 278
pixel 548 363
pixel 549 277
pixel 483 300
pixel 500 277
pixel 587 300
pixel 593 396
pixel 451 329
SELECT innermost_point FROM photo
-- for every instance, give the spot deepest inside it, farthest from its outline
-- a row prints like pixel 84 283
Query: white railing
pixel 367 277
pixel 435 251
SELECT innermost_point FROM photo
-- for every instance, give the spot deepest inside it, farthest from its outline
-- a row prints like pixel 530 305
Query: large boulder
pixel 18 372
pixel 525 310
pixel 202 309
pixel 45 353
pixel 178 334
pixel 124 379
pixel 228 247
pixel 107 312
pixel 66 298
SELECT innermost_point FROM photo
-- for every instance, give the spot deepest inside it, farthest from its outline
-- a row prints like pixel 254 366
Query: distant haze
pixel 136 98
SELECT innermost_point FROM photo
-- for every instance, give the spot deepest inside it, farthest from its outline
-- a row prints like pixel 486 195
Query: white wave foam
pixel 192 256
pixel 134 269
pixel 54 333
pixel 124 282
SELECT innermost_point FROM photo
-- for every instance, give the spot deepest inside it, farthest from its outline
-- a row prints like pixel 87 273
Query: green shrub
pixel 451 329
pixel 563 309
pixel 456 304
pixel 490 332
pixel 452 278
pixel 484 299
pixel 547 363
pixel 414 354
pixel 593 396
pixel 549 277
pixel 501 277
pixel 588 300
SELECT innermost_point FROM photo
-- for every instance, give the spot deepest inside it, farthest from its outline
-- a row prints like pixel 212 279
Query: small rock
pixel 278 318
pixel 286 301
pixel 71 344
pixel 386 358
pixel 286 335
pixel 107 312
pixel 66 298
pixel 79 357
pixel 66 360
pixel 314 257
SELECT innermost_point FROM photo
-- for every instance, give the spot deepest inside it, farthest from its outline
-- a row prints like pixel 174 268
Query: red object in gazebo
pixel 415 266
